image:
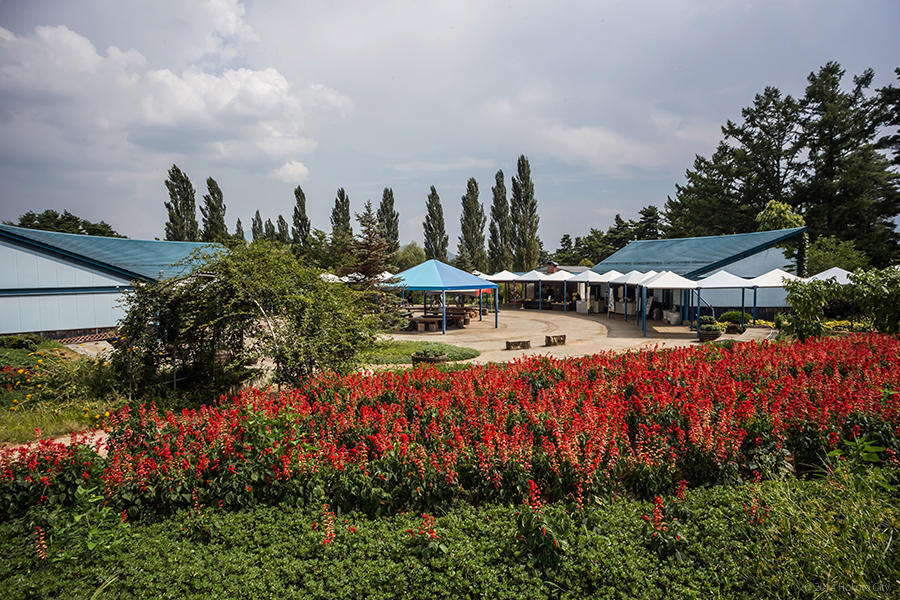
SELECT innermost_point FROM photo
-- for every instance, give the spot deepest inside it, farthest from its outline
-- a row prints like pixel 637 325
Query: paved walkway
pixel 585 335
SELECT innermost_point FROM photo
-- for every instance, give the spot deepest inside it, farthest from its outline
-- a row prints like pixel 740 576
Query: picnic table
pixel 433 322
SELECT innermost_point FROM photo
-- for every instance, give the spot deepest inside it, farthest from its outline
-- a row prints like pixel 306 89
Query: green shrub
pixel 734 316
pixel 707 320
pixel 22 341
pixel 709 327
pixel 394 352
pixel 876 294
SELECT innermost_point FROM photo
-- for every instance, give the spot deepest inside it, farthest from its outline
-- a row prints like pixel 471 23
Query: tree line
pixel 827 160
pixel 512 242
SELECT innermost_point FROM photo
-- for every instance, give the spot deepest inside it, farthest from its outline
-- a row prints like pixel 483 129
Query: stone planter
pixel 555 340
pixel 708 336
pixel 518 345
pixel 418 358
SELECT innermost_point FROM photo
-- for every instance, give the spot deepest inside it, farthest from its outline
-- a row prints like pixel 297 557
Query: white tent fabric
pixel 840 275
pixel 594 277
pixel 723 280
pixel 559 276
pixel 647 277
pixel 773 279
pixel 330 278
pixel 667 280
pixel 531 276
pixel 385 275
pixel 501 277
pixel 630 278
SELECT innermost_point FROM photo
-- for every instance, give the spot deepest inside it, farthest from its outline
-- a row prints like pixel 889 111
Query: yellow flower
pixel 12 408
pixel 39 385
pixel 106 413
pixel 20 371
pixel 96 416
pixel 15 400
pixel 27 396
pixel 40 360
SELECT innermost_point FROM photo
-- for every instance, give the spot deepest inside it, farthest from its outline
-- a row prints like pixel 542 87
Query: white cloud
pixel 601 148
pixel 292 171
pixel 441 166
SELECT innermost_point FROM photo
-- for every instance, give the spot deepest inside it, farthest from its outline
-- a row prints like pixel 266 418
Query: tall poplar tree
pixel 182 224
pixel 269 231
pixel 301 230
pixel 341 233
pixel 213 211
pixel 472 221
pixel 525 219
pixel 500 256
pixel 283 233
pixel 435 236
pixel 256 227
pixel 389 221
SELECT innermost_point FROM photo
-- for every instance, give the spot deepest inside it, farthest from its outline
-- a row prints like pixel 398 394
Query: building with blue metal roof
pixel 58 283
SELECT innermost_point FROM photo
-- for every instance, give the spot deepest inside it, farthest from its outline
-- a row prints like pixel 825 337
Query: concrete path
pixel 585 335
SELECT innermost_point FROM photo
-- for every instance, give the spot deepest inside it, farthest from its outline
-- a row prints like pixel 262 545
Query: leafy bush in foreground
pixel 835 538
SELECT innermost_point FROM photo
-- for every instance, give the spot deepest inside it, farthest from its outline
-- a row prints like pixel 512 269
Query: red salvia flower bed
pixel 578 429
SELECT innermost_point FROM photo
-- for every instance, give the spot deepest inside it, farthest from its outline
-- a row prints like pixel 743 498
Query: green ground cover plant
pixel 394 352
pixel 832 536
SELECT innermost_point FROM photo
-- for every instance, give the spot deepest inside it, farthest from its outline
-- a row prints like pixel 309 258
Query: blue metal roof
pixel 433 275
pixel 134 259
pixel 692 257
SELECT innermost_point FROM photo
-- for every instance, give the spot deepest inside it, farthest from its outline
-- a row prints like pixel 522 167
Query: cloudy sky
pixel 609 100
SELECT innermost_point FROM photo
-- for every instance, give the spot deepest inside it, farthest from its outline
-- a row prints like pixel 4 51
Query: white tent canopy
pixel 594 277
pixel 501 277
pixel 667 280
pixel 531 276
pixel 723 280
pixel 630 278
pixel 773 279
pixel 647 277
pixel 330 278
pixel 840 275
pixel 559 276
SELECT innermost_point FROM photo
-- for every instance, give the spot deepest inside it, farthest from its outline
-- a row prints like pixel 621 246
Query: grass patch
pixel 393 352
pixel 790 538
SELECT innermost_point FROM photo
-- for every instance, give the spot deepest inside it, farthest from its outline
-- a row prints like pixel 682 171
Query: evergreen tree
pixel 565 254
pixel 370 249
pixel 182 224
pixel 649 226
pixel 436 239
pixel 341 258
pixel 239 231
pixel 524 218
pixel 778 215
pixel 51 220
pixel 850 191
pixel 463 261
pixel 213 211
pixel 300 230
pixel 471 221
pixel 889 99
pixel 593 247
pixel 256 227
pixel 500 255
pixel 283 233
pixel 620 233
pixel 269 232
pixel 389 221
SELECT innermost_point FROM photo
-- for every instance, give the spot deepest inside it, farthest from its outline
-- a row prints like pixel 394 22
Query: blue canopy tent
pixel 435 276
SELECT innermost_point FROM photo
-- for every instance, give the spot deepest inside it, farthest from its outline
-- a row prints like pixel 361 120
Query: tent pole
pixel 625 287
pixel 443 312
pixel 479 304
pixel 754 304
pixel 565 298
pixel 496 308
pixel 742 308
pixel 698 313
pixel 852 307
pixel 644 303
pixel 540 296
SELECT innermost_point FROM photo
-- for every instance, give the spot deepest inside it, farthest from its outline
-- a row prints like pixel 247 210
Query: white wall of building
pixel 70 301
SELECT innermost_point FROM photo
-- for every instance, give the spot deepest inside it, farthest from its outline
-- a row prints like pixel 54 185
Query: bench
pixel 555 340
pixel 518 345
pixel 429 323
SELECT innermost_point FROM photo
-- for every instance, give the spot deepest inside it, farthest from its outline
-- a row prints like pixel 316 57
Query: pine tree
pixel 436 239
pixel 213 211
pixel 370 249
pixel 301 229
pixel 565 255
pixel 256 227
pixel 471 221
pixel 889 99
pixel 850 192
pixel 269 232
pixel 182 224
pixel 620 233
pixel 525 219
pixel 239 231
pixel 650 224
pixel 283 233
pixel 389 221
pixel 500 256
